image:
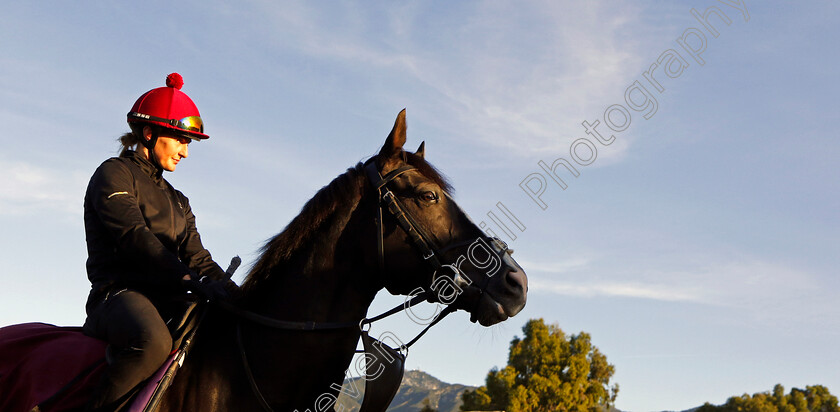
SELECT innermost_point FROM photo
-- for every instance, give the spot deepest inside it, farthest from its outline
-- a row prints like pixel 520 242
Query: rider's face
pixel 170 149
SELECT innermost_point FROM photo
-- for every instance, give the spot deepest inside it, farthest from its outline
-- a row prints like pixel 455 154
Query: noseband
pixel 388 362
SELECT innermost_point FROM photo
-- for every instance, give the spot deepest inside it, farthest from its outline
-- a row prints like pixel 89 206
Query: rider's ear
pixel 421 151
pixel 393 147
pixel 147 133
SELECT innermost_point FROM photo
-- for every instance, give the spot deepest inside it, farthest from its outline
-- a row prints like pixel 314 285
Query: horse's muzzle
pixel 503 295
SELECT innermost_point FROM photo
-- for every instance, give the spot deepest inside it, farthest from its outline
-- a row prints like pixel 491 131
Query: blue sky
pixel 699 248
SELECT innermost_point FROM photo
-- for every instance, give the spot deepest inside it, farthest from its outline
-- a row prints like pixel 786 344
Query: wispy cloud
pixel 529 94
pixel 763 288
pixel 615 289
pixel 525 93
pixel 29 189
pixel 558 266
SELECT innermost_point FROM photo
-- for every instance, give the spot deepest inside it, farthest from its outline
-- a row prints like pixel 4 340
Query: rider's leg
pixel 140 343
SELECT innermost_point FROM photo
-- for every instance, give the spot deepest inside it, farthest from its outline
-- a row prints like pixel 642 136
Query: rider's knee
pixel 154 349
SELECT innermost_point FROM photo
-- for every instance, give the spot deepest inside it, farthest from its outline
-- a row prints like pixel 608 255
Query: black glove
pixel 233 290
pixel 211 289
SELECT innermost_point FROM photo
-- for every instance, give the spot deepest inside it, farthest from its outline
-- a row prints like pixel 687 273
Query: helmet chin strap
pixel 150 147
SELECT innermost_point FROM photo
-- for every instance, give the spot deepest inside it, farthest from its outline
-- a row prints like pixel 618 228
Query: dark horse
pixel 327 266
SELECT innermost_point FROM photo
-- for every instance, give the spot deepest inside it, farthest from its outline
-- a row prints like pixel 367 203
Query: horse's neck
pixel 330 279
pixel 338 294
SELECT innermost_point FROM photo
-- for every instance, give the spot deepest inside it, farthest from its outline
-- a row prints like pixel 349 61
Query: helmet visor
pixel 187 124
pixel 190 123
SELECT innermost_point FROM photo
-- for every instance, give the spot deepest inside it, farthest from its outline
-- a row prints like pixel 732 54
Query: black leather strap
pixel 378 183
pixel 447 310
pixel 413 302
pixel 253 382
pixel 389 201
pixel 283 324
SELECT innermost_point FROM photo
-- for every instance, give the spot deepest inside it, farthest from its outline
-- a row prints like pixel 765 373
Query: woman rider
pixel 142 242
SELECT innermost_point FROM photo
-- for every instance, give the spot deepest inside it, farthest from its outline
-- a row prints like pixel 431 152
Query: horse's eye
pixel 429 196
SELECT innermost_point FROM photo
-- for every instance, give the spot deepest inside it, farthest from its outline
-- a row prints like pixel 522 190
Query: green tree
pixel 815 398
pixel 427 406
pixel 547 371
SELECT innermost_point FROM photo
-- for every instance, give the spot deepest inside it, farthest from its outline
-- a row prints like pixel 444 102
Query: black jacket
pixel 140 231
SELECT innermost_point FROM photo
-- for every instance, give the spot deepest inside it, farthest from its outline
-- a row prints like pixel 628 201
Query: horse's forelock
pixel 429 171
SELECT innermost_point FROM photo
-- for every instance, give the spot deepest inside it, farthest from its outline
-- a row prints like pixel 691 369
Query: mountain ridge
pixel 415 388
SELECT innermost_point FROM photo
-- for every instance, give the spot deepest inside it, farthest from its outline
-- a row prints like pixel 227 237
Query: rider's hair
pixel 132 139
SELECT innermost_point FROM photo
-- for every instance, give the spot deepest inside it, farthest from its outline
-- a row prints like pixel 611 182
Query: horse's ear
pixel 394 143
pixel 421 151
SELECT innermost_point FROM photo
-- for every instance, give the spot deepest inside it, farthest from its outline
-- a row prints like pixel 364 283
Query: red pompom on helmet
pixel 170 108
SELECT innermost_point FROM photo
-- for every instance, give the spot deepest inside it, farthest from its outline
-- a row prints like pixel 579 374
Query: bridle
pixel 375 351
pixel 418 236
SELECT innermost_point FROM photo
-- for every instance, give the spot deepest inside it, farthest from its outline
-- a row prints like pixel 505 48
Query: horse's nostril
pixel 517 280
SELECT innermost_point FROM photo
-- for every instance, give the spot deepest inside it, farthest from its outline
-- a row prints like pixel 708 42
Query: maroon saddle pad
pixel 39 361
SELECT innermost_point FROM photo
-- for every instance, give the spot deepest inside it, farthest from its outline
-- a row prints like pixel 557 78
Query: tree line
pixel 815 398
pixel 549 371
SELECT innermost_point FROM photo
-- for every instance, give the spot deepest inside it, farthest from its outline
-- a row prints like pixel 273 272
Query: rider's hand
pixel 211 289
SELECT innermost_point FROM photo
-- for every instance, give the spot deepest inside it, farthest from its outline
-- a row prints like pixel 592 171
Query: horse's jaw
pixel 488 312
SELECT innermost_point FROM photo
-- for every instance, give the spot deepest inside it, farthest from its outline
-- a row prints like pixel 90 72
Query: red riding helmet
pixel 170 108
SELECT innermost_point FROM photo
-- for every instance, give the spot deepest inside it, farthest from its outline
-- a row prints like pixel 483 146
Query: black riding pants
pixel 139 344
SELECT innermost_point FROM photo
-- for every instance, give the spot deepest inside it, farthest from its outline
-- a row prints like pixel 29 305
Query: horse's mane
pixel 344 191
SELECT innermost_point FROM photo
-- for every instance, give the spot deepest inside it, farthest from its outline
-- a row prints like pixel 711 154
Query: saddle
pixel 47 368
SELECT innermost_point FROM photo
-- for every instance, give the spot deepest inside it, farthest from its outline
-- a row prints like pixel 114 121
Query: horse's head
pixel 428 242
